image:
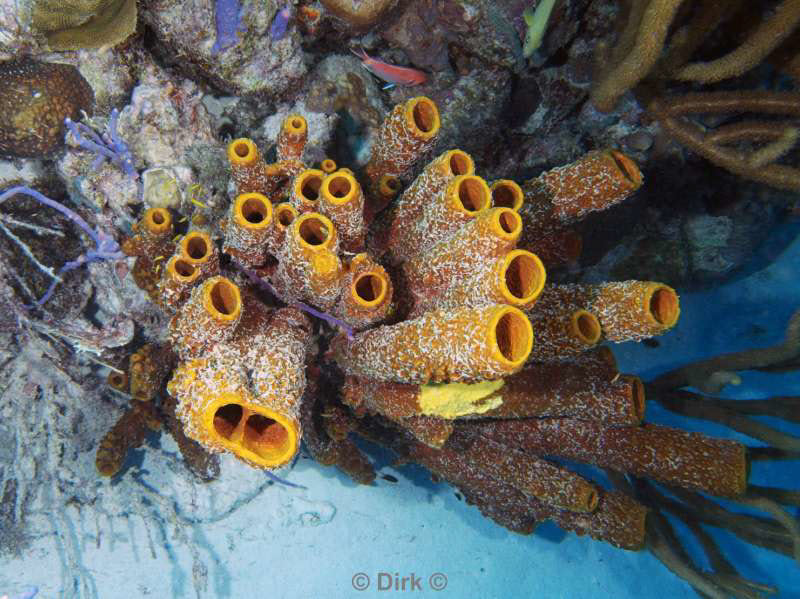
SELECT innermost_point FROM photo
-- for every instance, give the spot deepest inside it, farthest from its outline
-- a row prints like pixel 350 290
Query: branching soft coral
pixel 647 57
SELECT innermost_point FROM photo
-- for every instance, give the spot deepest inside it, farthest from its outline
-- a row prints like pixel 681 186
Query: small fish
pixel 536 21
pixel 389 72
pixel 280 24
pixel 389 477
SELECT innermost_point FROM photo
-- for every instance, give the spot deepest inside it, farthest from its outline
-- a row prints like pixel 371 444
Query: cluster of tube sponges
pixel 440 292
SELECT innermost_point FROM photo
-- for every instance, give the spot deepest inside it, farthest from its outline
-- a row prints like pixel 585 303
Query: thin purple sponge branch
pixel 107 146
pixel 331 320
pixel 106 247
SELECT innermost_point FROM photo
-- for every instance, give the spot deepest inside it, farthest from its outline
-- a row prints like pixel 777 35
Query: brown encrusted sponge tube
pixel 507 194
pixel 463 199
pixel 626 310
pixel 562 330
pixel 118 380
pixel 366 293
pixel 197 248
pixel 342 200
pixel 152 234
pixel 516 279
pixel 433 432
pixel 635 309
pixel 617 519
pixel 491 234
pixel 462 345
pixel 560 389
pixel 247 166
pixel 148 367
pixel 555 249
pixel 406 133
pixel 292 138
pixel 210 316
pixel 248 229
pixel 566 194
pixel 176 283
pixel 342 453
pixel 35 98
pixel 127 433
pixel 304 194
pixel 276 356
pixel 309 268
pixel 535 477
pixel 429 184
pixel 203 464
pixel 243 395
pixel 668 455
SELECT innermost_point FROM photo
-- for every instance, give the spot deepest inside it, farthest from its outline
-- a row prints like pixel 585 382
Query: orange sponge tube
pixel 366 293
pixel 207 318
pixel 462 345
pixel 247 166
pixel 292 138
pixel 342 200
pixel 428 184
pixel 248 228
pixel 309 268
pixel 407 132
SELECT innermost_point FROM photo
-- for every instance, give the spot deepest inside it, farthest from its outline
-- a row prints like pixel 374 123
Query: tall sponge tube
pixel 463 345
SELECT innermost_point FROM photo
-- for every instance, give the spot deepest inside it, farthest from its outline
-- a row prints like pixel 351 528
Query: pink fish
pixel 390 72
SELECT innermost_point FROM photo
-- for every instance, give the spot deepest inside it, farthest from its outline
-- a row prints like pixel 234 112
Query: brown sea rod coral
pixel 654 51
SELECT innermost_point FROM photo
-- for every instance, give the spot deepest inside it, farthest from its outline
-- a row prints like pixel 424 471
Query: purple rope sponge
pixel 105 246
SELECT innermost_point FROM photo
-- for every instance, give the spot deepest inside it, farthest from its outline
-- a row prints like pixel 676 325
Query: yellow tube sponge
pixel 462 345
pixel 626 310
pixel 562 330
pixel 308 267
pixel 342 200
pixel 406 133
pixel 197 249
pixel 305 188
pixel 243 395
pixel 208 317
pixel 247 166
pixel 152 234
pixel 276 355
pixel 176 282
pixel 366 293
pixel 507 194
pixel 491 234
pixel 565 194
pixel 462 199
pixel 248 228
pixel 283 215
pixel 516 278
pixel 328 166
pixel 292 138
pixel 428 184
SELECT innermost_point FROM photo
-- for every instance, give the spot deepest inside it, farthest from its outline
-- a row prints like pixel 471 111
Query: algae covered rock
pixel 83 24
pixel 227 43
